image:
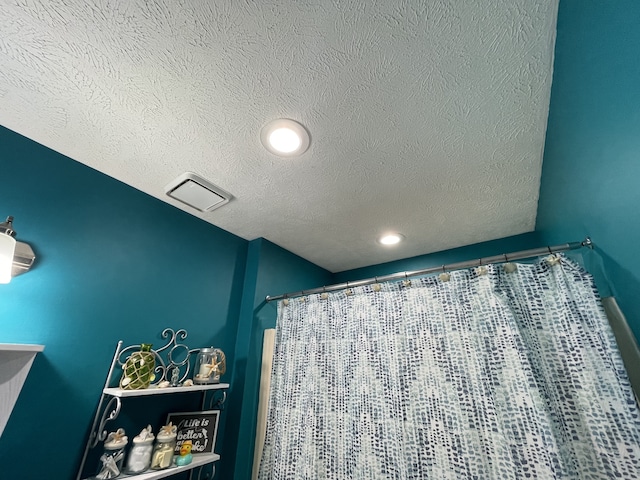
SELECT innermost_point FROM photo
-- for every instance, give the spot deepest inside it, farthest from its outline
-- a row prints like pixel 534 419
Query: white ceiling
pixel 427 117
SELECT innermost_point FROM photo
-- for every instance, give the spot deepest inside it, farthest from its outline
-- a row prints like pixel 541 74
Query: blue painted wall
pixel 112 263
pixel 271 270
pixel 591 165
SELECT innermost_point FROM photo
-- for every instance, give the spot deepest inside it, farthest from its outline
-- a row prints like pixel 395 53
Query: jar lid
pixel 207 350
pixel 116 440
pixel 145 436
pixel 167 433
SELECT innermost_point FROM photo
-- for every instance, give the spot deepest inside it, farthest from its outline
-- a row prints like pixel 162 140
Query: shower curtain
pixel 493 374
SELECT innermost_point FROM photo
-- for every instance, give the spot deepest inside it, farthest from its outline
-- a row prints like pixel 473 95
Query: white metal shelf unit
pixel 110 402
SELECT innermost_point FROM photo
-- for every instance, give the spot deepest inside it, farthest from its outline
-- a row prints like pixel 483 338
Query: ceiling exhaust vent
pixel 196 192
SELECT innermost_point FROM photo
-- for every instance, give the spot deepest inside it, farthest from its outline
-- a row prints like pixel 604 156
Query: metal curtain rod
pixel 506 257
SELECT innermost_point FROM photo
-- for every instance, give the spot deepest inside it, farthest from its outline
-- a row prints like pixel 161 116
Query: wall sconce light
pixel 15 257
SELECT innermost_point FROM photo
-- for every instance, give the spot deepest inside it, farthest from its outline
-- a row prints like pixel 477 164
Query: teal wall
pixel 591 168
pixel 112 263
pixel 271 270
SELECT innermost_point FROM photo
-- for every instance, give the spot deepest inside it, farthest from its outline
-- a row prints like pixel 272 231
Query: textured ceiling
pixel 427 117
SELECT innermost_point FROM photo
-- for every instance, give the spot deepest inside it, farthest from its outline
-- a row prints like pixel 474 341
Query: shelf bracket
pixel 111 412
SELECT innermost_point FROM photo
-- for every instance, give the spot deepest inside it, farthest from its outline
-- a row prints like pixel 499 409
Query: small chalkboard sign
pixel 199 427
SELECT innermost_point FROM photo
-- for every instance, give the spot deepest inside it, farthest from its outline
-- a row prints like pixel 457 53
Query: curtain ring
pixel 481 270
pixel 553 259
pixel 508 266
pixel 549 248
pixel 348 291
pixel 444 276
pixel 376 286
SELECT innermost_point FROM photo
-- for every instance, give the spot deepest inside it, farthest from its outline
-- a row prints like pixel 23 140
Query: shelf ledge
pixel 20 347
pixel 199 459
pixel 118 392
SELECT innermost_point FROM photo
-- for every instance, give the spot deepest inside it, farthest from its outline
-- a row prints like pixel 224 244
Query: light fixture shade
pixel 285 137
pixel 7 251
pixel 15 257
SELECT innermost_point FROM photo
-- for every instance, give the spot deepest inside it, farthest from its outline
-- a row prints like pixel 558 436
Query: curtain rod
pixel 505 257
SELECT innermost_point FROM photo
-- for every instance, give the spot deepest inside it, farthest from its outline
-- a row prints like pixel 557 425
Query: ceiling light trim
pixel 287 124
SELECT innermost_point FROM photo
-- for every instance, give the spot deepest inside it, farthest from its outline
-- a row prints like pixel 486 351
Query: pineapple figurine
pixel 138 369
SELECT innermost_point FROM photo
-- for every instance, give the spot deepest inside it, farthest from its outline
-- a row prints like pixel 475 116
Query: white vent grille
pixel 197 192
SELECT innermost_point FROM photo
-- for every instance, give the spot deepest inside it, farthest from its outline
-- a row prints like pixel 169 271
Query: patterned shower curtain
pixel 490 375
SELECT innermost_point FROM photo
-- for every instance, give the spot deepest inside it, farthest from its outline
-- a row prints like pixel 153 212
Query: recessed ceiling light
pixel 285 138
pixel 391 239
